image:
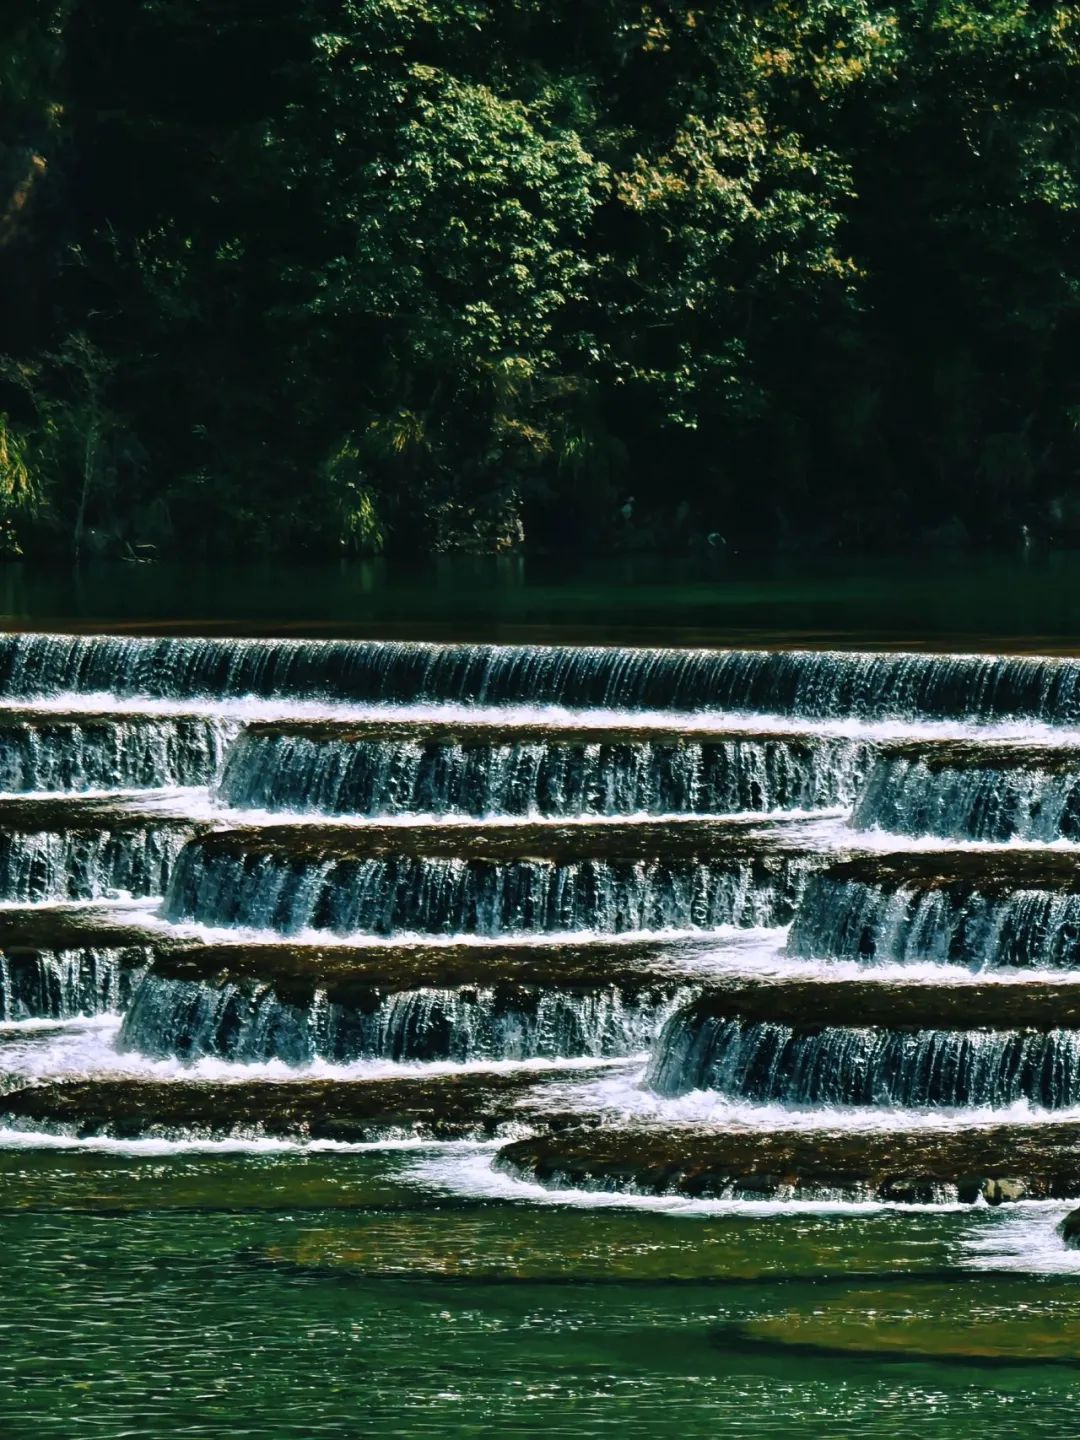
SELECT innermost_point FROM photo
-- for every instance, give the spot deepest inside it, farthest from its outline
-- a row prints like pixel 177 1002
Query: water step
pixel 86 847
pixel 59 750
pixel 62 961
pixel 26 814
pixel 980 908
pixel 995 1163
pixel 431 728
pixel 298 1003
pixel 461 1003
pixel 446 1106
pixel 492 879
pixel 439 767
pixel 932 1050
pixel 976 790
pixel 67 926
pixel 816 684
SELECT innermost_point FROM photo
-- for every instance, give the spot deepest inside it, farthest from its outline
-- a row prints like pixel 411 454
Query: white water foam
pixel 470 1175
pixel 1024 1237
pixel 86 1049
pixel 151 1146
pixel 774 825
pixel 724 724
pixel 624 1098
pixel 721 936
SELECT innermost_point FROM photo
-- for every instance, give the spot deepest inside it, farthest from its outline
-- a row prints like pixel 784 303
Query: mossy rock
pixel 986 1324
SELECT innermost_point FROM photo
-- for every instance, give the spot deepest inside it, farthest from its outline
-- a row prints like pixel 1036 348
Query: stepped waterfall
pixel 557 898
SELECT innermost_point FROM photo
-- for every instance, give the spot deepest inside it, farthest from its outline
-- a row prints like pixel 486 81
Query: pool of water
pixel 307 1295
pixel 937 600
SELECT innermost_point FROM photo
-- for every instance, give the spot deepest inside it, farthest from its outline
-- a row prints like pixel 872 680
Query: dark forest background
pixel 292 276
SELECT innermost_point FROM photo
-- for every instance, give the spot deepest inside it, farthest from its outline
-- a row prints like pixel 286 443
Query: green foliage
pixel 433 274
pixel 351 503
pixel 20 489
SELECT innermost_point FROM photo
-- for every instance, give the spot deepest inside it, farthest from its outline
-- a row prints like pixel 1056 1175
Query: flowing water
pixel 414 1038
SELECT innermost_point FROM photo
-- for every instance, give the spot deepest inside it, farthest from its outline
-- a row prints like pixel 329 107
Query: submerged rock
pixel 970 1319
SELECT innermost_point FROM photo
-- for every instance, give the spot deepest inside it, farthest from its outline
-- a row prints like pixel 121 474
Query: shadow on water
pixel 928 601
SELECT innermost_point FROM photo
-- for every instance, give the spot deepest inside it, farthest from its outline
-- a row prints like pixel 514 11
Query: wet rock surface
pixel 815 1005
pixel 455 1105
pixel 993 1163
pixel 343 972
pixel 1070 1229
pixel 992 873
pixel 734 837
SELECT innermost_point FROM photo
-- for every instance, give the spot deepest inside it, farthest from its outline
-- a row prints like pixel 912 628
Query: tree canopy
pixel 437 274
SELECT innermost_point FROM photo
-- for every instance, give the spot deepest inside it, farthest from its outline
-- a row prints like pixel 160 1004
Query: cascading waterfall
pixel 546 777
pixel 762 1061
pixel 455 896
pixel 814 684
pixel 261 982
pixel 848 919
pixel 39 866
pixel 250 1022
pixel 64 984
pixel 987 801
pixel 139 753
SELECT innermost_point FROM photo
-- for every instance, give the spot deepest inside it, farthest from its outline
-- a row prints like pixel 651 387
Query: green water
pixel 342 1295
pixel 1026 602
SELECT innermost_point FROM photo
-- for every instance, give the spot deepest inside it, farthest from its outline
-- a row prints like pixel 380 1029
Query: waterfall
pixel 249 1022
pixel 982 799
pixel 62 984
pixel 549 777
pixel 625 825
pixel 849 919
pixel 763 1061
pixel 62 754
pixel 457 896
pixel 816 684
pixel 39 866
